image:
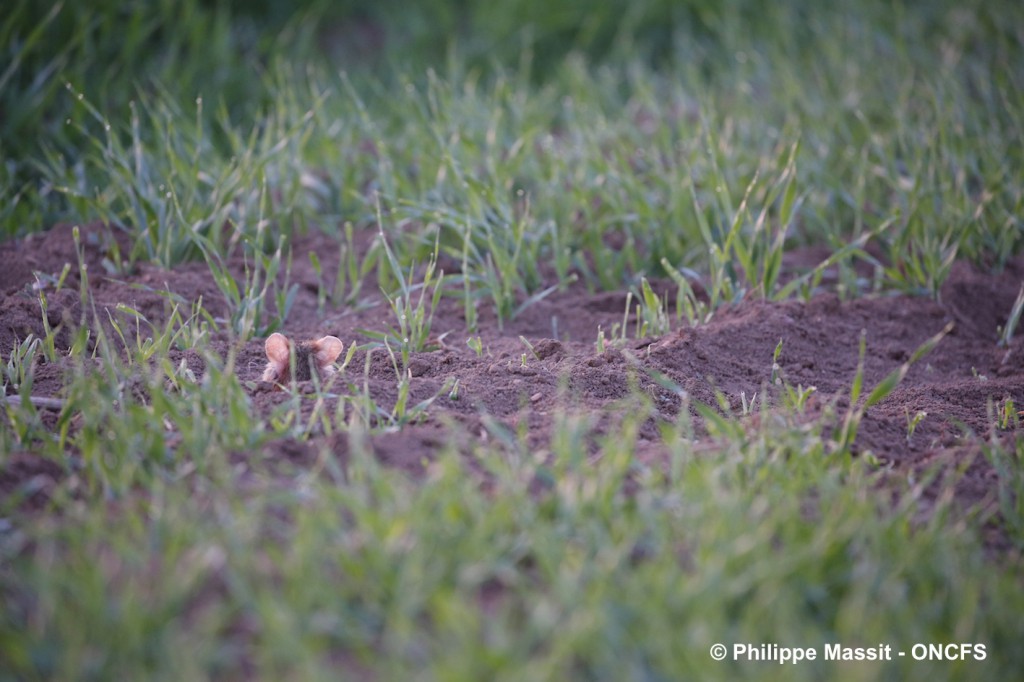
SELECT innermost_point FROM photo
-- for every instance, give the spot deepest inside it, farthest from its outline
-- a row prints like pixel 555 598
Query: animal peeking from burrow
pixel 312 358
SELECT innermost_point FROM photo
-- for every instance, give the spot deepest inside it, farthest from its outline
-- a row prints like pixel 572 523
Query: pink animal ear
pixel 278 349
pixel 327 350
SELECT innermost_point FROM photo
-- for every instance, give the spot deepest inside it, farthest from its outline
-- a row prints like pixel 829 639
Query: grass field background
pixel 538 145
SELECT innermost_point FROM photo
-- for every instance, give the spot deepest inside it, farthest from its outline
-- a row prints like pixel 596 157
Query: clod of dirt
pixel 548 348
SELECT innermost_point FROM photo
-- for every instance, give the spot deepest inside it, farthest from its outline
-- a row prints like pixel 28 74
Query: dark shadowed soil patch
pixel 956 385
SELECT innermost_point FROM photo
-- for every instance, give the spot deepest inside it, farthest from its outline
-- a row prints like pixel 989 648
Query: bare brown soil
pixel 956 384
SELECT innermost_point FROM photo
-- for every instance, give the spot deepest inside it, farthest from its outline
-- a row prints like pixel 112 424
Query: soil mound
pixel 956 385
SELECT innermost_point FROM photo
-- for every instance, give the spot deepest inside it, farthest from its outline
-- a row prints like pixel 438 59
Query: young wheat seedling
pixel 912 422
pixel 1006 332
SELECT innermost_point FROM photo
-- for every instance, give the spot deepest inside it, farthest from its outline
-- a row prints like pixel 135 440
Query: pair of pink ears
pixel 324 351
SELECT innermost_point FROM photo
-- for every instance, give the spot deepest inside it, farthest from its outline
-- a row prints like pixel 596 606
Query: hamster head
pixel 311 357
